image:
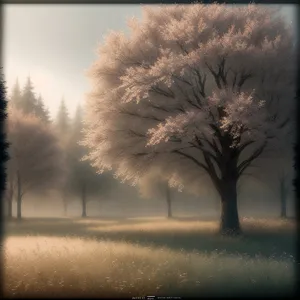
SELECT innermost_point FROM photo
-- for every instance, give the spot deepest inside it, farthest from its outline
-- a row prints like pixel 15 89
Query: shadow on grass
pixel 189 234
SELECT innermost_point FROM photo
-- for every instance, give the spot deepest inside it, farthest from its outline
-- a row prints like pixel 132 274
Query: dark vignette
pixel 3 104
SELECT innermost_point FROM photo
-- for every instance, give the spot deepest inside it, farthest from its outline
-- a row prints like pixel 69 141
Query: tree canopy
pixel 27 102
pixel 36 160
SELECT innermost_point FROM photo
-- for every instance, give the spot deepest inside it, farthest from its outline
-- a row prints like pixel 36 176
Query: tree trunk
pixel 169 204
pixel 283 194
pixel 83 199
pixel 19 197
pixel 230 224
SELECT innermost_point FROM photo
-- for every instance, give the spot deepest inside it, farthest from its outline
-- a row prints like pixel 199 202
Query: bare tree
pixel 35 157
pixel 193 89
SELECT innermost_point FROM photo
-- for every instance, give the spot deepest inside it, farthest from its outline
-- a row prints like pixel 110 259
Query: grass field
pixel 138 257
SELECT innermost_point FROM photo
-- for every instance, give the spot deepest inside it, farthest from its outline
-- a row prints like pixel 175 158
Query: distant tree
pixel 41 111
pixel 16 96
pixel 83 181
pixel 62 126
pixel 278 173
pixel 35 156
pixel 28 102
pixel 3 142
pixel 285 181
pixel 152 186
pixel 210 87
pixel 62 123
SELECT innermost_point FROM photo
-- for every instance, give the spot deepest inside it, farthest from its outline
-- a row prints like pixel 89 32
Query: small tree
pixel 16 96
pixel 83 179
pixel 152 185
pixel 35 157
pixel 62 122
pixel 28 102
pixel 278 176
pixel 62 126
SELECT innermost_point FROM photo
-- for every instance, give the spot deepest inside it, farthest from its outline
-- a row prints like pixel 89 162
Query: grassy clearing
pixel 136 257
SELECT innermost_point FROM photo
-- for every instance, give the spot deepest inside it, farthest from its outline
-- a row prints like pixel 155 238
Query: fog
pixel 123 201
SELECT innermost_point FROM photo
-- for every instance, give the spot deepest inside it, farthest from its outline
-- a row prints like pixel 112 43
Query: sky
pixel 56 45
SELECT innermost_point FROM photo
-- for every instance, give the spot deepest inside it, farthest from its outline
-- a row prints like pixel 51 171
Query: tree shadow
pixel 256 240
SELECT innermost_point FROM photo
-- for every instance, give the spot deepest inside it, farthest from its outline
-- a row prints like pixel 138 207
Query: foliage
pixel 193 88
pixel 27 102
pixel 34 152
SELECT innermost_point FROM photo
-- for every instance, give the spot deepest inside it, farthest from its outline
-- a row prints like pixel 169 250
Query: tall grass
pixel 78 266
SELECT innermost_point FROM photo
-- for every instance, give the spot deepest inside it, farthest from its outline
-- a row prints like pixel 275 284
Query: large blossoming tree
pixel 194 89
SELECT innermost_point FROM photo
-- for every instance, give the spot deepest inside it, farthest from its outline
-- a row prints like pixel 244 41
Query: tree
pixel 83 179
pixel 63 120
pixel 3 142
pixel 28 102
pixel 36 162
pixel 203 88
pixel 41 111
pixel 62 127
pixel 152 185
pixel 278 176
pixel 16 95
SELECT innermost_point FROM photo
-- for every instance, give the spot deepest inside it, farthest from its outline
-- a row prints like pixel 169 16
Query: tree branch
pixel 242 166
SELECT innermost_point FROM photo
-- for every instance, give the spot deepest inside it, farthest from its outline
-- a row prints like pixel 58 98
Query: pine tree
pixel 77 121
pixel 3 143
pixel 41 111
pixel 16 95
pixel 28 101
pixel 63 120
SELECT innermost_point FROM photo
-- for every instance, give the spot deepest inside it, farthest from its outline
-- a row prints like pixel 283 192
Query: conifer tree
pixel 3 143
pixel 63 120
pixel 28 101
pixel 41 111
pixel 16 95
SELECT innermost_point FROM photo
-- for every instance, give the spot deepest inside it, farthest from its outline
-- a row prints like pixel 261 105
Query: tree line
pixel 44 154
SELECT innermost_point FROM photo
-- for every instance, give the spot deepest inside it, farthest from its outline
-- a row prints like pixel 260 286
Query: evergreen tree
pixel 62 125
pixel 78 119
pixel 63 120
pixel 41 111
pixel 3 143
pixel 28 101
pixel 16 95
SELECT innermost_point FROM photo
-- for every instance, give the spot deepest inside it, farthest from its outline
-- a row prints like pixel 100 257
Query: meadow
pixel 181 257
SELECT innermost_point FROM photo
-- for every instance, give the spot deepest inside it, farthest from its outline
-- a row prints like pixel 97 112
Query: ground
pixel 137 257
